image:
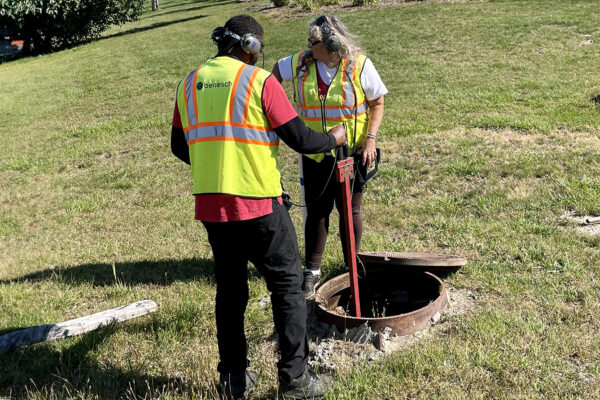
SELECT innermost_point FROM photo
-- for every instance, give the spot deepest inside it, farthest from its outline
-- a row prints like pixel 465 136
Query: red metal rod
pixel 344 172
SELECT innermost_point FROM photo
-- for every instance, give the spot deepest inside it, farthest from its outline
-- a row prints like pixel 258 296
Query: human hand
pixel 339 132
pixel 369 153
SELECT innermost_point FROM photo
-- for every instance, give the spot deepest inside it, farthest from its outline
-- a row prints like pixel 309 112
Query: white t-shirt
pixel 369 78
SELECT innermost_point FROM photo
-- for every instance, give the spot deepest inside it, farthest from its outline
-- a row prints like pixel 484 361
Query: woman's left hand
pixel 375 117
pixel 369 154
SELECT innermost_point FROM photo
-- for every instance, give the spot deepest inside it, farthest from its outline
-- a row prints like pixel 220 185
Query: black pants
pixel 270 243
pixel 317 182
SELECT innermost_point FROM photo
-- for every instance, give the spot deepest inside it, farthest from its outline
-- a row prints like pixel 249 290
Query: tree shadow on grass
pixel 150 27
pixel 171 4
pixel 161 13
pixel 74 370
pixel 163 273
pixel 21 54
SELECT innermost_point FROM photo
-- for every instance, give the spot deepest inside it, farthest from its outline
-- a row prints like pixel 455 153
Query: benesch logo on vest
pixel 202 85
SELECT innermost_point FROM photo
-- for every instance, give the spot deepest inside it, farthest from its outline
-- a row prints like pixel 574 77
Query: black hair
pixel 240 25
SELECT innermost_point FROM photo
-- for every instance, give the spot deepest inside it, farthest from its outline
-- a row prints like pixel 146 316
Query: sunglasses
pixel 313 42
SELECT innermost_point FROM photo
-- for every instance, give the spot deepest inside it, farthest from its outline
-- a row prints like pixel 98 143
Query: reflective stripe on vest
pixel 339 103
pixel 331 113
pixel 233 148
pixel 234 133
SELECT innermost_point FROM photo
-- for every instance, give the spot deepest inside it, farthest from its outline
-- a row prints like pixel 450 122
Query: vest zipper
pixel 323 121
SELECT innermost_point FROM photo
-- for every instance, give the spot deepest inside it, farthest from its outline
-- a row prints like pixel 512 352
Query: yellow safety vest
pixel 345 98
pixel 233 148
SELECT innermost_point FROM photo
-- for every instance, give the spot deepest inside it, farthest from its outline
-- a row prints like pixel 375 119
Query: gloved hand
pixel 339 133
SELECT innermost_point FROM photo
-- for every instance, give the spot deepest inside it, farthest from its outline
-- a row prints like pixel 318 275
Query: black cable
pixel 348 74
pixel 324 127
pixel 355 111
pixel 363 268
pixel 320 194
pixel 354 134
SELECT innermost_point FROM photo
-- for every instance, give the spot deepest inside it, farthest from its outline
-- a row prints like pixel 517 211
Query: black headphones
pixel 250 43
pixel 330 40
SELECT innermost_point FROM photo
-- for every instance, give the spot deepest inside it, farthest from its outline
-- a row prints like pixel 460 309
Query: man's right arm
pixel 304 140
pixel 289 126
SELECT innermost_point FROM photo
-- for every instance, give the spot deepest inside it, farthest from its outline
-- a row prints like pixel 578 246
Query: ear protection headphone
pixel 249 42
pixel 329 39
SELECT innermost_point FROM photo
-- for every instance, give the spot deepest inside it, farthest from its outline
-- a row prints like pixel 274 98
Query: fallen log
pixel 74 327
pixel 592 220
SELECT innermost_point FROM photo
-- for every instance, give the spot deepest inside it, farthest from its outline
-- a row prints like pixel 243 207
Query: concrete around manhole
pixel 333 350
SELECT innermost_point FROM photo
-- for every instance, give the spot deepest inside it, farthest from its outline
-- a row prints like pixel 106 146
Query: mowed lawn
pixel 490 136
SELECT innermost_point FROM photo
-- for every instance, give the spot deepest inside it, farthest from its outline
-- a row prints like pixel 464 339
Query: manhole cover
pixel 420 261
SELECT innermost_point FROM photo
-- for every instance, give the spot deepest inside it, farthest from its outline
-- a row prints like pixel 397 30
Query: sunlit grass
pixel 490 135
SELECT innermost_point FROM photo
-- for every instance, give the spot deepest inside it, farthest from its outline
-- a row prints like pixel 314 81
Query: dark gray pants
pixel 270 243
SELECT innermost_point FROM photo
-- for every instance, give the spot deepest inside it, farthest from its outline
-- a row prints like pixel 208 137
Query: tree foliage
pixel 49 25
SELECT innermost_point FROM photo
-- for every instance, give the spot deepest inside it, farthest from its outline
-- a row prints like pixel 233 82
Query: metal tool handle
pixel 342 152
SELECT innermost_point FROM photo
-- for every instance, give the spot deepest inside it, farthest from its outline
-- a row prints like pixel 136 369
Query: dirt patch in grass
pixel 582 223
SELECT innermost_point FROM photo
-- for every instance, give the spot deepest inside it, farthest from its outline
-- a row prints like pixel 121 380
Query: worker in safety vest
pixel 333 81
pixel 229 116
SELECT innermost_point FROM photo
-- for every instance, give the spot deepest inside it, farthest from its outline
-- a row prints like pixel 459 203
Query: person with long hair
pixel 333 81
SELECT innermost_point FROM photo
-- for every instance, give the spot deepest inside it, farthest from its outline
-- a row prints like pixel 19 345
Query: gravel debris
pixel 333 350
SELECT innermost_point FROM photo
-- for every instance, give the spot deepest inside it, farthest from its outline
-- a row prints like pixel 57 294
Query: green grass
pixel 489 136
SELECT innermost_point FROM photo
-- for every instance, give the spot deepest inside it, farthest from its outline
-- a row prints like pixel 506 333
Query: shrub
pixel 331 2
pixel 308 5
pixel 49 25
pixel 358 3
pixel 280 3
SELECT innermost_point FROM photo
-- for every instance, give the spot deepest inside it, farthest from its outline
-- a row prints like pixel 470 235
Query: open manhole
pixel 404 301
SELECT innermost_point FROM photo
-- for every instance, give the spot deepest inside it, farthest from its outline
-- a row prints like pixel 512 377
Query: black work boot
pixel 237 386
pixel 307 386
pixel 311 281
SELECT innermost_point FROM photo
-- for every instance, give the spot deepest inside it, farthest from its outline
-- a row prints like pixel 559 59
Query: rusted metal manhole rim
pixel 402 324
pixel 429 262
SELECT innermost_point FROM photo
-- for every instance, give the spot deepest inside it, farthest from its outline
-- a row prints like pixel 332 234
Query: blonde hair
pixel 349 47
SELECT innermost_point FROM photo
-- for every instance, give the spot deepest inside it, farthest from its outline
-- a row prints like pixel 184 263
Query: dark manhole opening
pixel 403 301
pixel 386 294
pixel 397 290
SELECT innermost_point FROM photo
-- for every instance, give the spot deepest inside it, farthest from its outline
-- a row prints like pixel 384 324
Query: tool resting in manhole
pixel 344 172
